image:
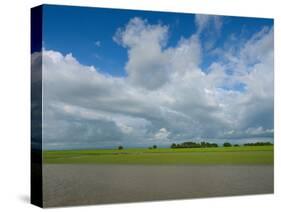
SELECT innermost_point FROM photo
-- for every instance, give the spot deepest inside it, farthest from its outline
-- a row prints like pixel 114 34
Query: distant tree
pixel 236 145
pixel 154 147
pixel 226 144
pixel 214 145
pixel 204 144
pixel 190 144
pixel 179 146
pixel 207 144
pixel 120 147
pixel 173 145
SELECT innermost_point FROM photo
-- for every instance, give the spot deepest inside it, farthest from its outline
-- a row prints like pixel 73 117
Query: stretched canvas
pixel 132 106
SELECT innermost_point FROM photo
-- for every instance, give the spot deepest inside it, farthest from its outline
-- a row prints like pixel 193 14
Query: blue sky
pixel 88 33
pixel 138 78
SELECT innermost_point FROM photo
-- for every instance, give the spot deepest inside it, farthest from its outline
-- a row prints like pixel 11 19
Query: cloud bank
pixel 165 97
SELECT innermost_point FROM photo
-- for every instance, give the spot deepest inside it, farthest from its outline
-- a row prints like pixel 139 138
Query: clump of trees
pixel 206 144
pixel 227 144
pixel 259 144
pixel 153 147
pixel 190 144
pixel 120 147
pixel 173 145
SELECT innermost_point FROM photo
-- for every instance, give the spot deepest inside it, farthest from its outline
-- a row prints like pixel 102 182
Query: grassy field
pixel 165 156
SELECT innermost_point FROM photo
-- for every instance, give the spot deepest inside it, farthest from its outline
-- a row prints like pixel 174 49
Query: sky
pixel 138 78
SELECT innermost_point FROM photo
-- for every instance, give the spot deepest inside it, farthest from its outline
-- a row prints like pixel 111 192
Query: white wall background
pixel 15 102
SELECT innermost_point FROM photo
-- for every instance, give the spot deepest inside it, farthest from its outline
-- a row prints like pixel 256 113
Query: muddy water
pixel 66 185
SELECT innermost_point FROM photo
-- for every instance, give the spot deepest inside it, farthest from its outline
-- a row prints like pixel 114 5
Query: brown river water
pixel 69 185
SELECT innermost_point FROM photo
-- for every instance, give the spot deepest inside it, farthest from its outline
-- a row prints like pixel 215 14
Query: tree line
pixel 194 145
pixel 207 144
pixel 259 144
pixel 203 144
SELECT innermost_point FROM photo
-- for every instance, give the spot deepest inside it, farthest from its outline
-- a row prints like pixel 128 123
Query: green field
pixel 196 156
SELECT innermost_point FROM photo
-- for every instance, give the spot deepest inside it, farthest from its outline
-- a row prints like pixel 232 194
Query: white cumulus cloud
pixel 165 98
